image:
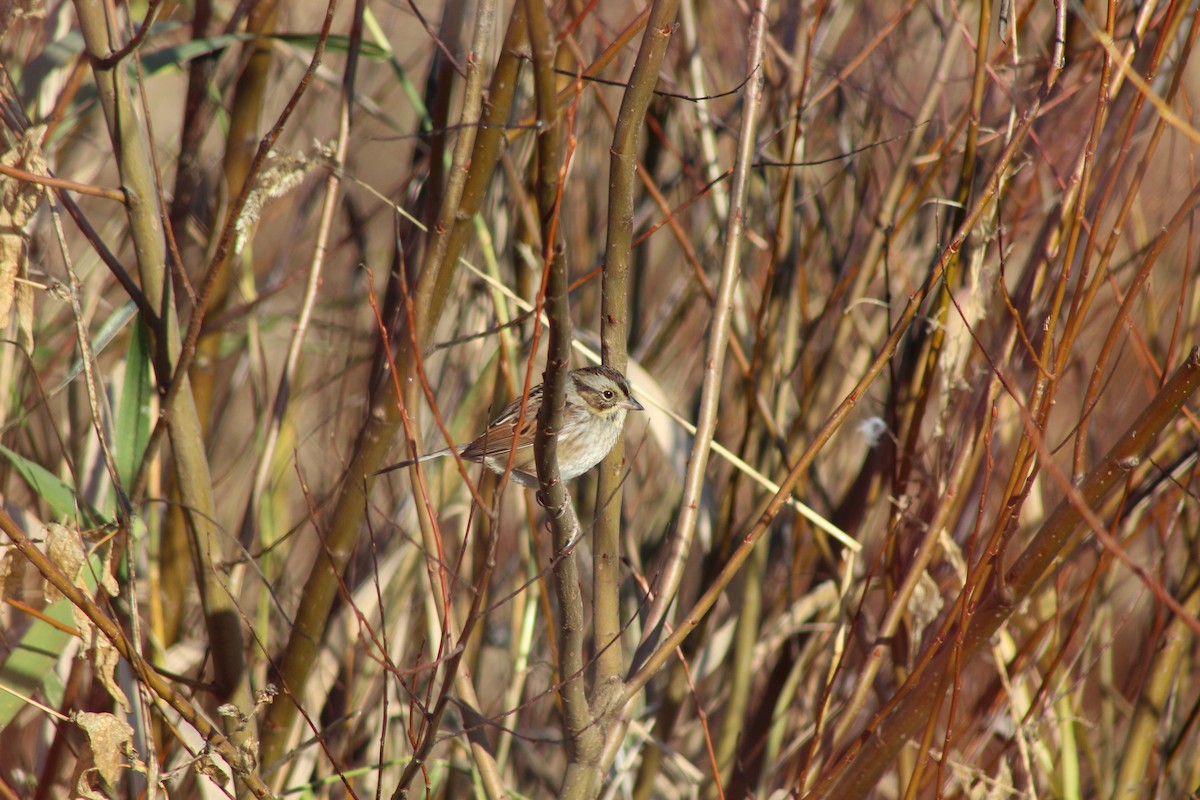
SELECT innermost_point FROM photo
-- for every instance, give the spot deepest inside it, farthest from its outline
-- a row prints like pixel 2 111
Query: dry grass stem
pixel 908 292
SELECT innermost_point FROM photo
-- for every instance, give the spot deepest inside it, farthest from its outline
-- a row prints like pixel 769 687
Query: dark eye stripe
pixel 606 397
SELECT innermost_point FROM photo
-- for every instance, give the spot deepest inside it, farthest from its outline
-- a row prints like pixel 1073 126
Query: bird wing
pixel 498 438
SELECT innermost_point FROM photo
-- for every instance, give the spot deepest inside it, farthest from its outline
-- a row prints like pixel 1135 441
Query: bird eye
pixel 609 394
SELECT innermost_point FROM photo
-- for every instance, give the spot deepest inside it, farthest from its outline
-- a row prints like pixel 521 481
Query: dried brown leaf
pixel 925 605
pixel 12 11
pixel 104 658
pixel 65 548
pixel 12 571
pixel 110 742
pixel 18 202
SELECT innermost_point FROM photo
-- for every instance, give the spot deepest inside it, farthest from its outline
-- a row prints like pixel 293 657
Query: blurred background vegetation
pixel 927 268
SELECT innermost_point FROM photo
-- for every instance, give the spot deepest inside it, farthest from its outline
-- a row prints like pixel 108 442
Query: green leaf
pixel 333 44
pixel 60 497
pixel 180 54
pixel 29 668
pixel 115 323
pixel 134 420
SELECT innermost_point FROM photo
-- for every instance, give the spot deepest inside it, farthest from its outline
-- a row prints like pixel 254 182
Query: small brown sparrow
pixel 594 416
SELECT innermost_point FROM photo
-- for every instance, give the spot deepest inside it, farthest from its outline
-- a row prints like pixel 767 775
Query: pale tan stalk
pixel 965 463
pixel 287 378
pixel 614 338
pixel 227 747
pixel 131 148
pixel 443 619
pixel 1081 508
pixel 473 162
pixel 322 585
pixel 1134 778
pixel 771 508
pixel 614 330
pixel 680 538
pixel 1131 195
pixel 584 739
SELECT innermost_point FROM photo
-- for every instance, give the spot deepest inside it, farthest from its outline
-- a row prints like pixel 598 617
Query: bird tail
pixel 445 451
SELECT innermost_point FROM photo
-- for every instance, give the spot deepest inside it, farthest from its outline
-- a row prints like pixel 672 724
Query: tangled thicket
pixel 927 270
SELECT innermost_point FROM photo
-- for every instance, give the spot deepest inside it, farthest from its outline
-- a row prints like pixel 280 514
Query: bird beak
pixel 633 405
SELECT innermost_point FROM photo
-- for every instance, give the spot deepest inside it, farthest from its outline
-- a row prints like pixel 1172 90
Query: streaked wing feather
pixel 498 438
